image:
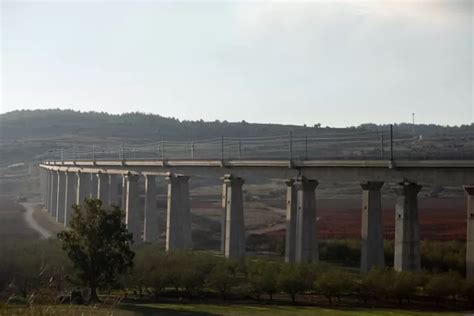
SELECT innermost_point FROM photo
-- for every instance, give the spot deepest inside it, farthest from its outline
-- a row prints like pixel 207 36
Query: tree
pixel 292 280
pixel 98 245
pixel 379 281
pixel 404 285
pixel 194 270
pixel 333 283
pixel 443 285
pixel 468 290
pixel 222 277
pixel 263 277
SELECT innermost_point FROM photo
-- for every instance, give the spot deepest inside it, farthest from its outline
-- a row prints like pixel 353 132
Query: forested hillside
pixel 26 136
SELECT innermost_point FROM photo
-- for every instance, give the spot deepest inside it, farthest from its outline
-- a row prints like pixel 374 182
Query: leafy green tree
pixel 443 285
pixel 291 280
pixel 333 283
pixel 98 245
pixel 404 286
pixel 468 290
pixel 379 281
pixel 194 270
pixel 156 272
pixel 223 277
pixel 263 277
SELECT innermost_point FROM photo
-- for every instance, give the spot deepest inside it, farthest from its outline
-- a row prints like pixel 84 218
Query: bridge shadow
pixel 161 311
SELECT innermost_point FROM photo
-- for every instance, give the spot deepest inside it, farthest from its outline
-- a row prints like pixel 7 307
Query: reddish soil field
pixel 440 218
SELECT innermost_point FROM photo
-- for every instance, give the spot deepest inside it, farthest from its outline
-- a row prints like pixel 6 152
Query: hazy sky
pixel 339 64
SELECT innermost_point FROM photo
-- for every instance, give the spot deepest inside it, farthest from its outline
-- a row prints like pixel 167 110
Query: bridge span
pixel 65 182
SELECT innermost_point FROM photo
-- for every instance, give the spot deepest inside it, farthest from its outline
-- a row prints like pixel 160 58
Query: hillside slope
pixel 27 136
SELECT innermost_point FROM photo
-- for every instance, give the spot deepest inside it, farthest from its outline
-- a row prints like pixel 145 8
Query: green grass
pixel 203 310
pixel 211 309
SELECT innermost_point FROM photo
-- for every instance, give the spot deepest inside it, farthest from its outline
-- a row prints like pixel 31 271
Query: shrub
pixel 263 277
pixel 222 277
pixel 404 286
pixel 440 286
pixel 333 283
pixel 468 290
pixel 291 280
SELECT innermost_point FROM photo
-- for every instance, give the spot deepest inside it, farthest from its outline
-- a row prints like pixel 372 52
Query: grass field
pixel 205 309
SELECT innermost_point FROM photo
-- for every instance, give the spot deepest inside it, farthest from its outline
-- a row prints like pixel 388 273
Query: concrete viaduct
pixel 70 181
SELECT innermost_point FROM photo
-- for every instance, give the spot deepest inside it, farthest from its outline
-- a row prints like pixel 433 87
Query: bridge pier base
pixel 306 243
pixel 70 197
pixel 407 231
pixel 133 218
pixel 224 216
pixel 42 174
pixel 94 185
pixel 124 194
pixel 372 227
pixel 60 203
pixel 470 232
pixel 54 194
pixel 150 233
pixel 291 212
pixel 114 196
pixel 103 189
pixel 234 245
pixel 83 187
pixel 47 196
pixel 178 218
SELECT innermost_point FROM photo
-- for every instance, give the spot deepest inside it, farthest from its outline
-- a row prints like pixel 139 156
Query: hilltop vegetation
pixel 26 135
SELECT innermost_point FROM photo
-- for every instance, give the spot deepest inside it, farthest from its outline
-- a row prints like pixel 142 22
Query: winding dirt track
pixel 29 219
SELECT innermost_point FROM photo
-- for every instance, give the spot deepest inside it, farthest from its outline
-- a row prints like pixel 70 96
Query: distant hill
pixel 25 135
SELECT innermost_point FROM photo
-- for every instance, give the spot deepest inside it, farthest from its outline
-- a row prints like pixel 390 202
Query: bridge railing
pixel 357 145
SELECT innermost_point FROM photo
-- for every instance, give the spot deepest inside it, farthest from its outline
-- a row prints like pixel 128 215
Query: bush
pixel 444 256
pixel 468 290
pixel 404 286
pixel 379 281
pixel 292 280
pixel 194 270
pixel 223 277
pixel 333 283
pixel 263 277
pixel 440 286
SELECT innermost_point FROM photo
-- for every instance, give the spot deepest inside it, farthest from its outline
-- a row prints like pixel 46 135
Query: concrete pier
pixel 94 185
pixel 54 194
pixel 224 217
pixel 124 190
pixel 133 216
pixel 407 231
pixel 306 243
pixel 150 233
pixel 48 191
pixel 60 202
pixel 178 220
pixel 103 188
pixel 83 187
pixel 470 232
pixel 70 196
pixel 114 196
pixel 372 227
pixel 235 227
pixel 291 210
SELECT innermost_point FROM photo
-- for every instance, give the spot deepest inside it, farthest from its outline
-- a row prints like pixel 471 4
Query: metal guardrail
pixel 354 146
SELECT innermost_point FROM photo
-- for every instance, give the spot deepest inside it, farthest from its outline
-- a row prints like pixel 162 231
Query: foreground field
pixel 206 309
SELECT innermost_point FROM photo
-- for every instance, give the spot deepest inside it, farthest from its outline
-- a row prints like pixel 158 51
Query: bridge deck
pixel 443 172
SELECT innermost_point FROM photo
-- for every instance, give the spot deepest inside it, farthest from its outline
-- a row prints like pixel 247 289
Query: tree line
pixel 97 253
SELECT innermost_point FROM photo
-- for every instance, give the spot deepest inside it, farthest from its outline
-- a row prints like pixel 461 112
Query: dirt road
pixel 28 216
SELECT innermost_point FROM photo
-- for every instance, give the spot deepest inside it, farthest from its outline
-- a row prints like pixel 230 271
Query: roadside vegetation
pixel 96 256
